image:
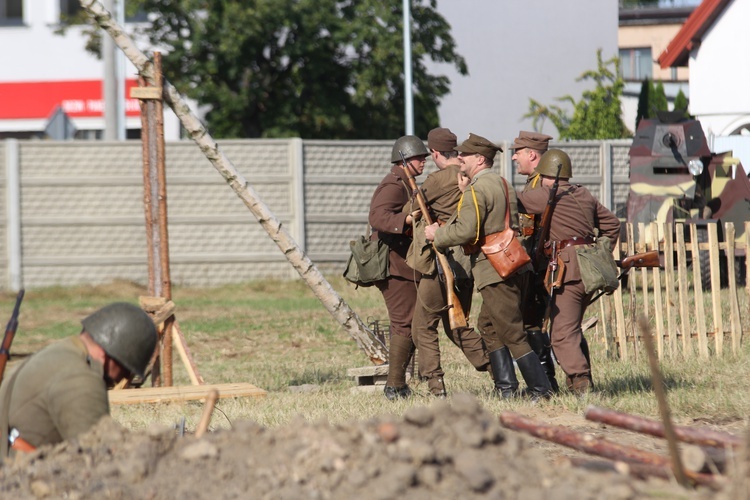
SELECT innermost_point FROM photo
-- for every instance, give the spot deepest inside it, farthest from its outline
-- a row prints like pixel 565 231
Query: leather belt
pixel 578 240
pixel 18 443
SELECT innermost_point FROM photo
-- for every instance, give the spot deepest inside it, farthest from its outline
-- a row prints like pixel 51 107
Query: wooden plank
pixel 747 259
pixel 183 393
pixel 734 305
pixel 669 277
pixel 682 286
pixel 145 93
pixel 632 282
pixel 658 307
pixel 642 239
pixel 178 340
pixel 713 252
pixel 700 318
pixel 620 316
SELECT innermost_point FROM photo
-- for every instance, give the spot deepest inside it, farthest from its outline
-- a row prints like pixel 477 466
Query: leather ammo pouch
pixel 502 249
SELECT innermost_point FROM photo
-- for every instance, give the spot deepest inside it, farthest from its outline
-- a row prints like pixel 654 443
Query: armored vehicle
pixel 674 177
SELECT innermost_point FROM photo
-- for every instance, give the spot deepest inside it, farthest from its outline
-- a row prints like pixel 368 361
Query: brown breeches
pixel 565 327
pixel 500 321
pixel 429 313
pixel 400 297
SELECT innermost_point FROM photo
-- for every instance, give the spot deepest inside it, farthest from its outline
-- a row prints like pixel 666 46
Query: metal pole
pixel 120 76
pixel 408 99
pixel 109 91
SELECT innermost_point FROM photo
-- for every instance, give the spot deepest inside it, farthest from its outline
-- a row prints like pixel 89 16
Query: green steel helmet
pixel 125 332
pixel 551 160
pixel 410 145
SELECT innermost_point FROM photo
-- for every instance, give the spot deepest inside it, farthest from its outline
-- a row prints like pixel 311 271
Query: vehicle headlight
pixel 695 167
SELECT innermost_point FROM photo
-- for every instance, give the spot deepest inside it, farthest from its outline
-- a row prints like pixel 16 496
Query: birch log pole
pixel 366 339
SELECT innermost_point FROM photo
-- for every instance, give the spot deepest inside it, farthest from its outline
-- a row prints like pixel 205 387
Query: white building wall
pixel 720 72
pixel 520 49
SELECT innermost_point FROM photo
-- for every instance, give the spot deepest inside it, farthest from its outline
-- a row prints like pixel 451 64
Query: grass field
pixel 277 336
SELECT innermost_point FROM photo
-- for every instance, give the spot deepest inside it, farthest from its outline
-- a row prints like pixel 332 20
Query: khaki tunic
pixel 576 214
pixel 57 394
pixel 481 211
pixel 442 194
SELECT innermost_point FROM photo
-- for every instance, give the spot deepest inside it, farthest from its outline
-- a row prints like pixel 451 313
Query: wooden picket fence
pixel 685 319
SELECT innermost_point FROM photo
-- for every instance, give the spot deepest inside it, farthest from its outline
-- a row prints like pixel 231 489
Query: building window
pixel 636 64
pixel 69 8
pixel 11 12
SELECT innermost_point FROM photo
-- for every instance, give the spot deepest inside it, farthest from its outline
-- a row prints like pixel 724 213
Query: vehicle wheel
pixel 740 271
pixel 704 261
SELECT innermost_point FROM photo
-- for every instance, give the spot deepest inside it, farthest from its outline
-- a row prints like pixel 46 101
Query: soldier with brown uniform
pixel 61 391
pixel 481 213
pixel 528 149
pixel 393 226
pixel 577 219
pixel 441 194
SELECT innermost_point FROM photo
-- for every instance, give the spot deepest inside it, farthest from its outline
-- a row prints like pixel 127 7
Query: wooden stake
pixel 713 252
pixel 184 351
pixel 682 281
pixel 661 398
pixel 208 410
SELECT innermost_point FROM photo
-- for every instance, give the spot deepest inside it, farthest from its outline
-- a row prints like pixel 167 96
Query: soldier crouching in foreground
pixel 61 391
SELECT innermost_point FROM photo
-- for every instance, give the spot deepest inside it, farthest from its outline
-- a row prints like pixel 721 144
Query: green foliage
pixel 643 101
pixel 307 68
pixel 660 98
pixel 681 102
pixel 597 115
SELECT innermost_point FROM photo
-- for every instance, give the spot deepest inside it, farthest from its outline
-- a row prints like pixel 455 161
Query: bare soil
pixel 450 449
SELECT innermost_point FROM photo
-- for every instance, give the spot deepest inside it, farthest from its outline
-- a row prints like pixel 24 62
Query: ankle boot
pixel 587 355
pixel 503 373
pixel 533 374
pixel 437 387
pixel 541 345
pixel 399 354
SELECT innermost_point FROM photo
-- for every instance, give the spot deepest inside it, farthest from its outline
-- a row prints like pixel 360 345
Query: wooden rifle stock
pixel 639 260
pixel 456 315
pixel 10 332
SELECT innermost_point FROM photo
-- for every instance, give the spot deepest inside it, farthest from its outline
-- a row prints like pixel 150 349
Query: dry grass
pixel 277 336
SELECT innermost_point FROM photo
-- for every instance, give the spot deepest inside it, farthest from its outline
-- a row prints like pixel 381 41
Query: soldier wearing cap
pixel 392 225
pixel 577 219
pixel 480 213
pixel 61 391
pixel 528 149
pixel 441 193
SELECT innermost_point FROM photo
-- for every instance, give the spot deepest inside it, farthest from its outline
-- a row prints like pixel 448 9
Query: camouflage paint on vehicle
pixel 664 189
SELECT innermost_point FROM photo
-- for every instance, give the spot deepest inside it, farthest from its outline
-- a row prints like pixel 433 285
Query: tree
pixel 660 98
pixel 597 115
pixel 643 102
pixel 681 102
pixel 308 68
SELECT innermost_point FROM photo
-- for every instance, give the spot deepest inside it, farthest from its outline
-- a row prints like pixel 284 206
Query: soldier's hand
pixel 429 231
pixel 415 215
pixel 463 181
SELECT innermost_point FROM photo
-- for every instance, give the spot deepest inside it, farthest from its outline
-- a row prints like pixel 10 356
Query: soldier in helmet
pixel 392 225
pixel 528 149
pixel 61 391
pixel 577 219
pixel 481 213
pixel 441 193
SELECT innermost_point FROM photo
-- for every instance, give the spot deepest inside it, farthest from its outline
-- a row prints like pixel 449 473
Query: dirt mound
pixel 448 450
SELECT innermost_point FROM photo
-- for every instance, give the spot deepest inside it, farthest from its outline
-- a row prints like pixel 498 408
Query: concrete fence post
pixel 13 214
pixel 607 175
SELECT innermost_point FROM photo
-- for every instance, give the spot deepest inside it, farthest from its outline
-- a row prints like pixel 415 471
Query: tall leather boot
pixel 503 373
pixel 399 355
pixel 534 376
pixel 541 345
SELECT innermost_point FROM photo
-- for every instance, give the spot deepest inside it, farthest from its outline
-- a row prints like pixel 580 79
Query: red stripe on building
pixel 78 98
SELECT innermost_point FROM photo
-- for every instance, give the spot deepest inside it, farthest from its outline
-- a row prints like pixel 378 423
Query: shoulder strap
pixel 507 202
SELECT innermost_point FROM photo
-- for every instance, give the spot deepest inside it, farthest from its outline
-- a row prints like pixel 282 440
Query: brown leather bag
pixel 503 250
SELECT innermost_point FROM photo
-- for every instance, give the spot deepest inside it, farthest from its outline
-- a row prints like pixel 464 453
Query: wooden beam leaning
pixel 183 393
pixel 350 321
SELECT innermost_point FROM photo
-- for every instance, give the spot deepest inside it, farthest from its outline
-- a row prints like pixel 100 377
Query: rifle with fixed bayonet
pixel 10 332
pixel 456 315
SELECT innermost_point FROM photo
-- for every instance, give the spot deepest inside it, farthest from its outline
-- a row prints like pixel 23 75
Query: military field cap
pixel 441 139
pixel 533 140
pixel 478 144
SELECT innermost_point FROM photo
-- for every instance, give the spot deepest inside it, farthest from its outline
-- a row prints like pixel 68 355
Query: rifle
pixel 10 332
pixel 545 221
pixel 645 259
pixel 456 316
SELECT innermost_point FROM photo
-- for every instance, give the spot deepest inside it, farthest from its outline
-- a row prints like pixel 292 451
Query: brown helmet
pixel 410 146
pixel 126 333
pixel 551 161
